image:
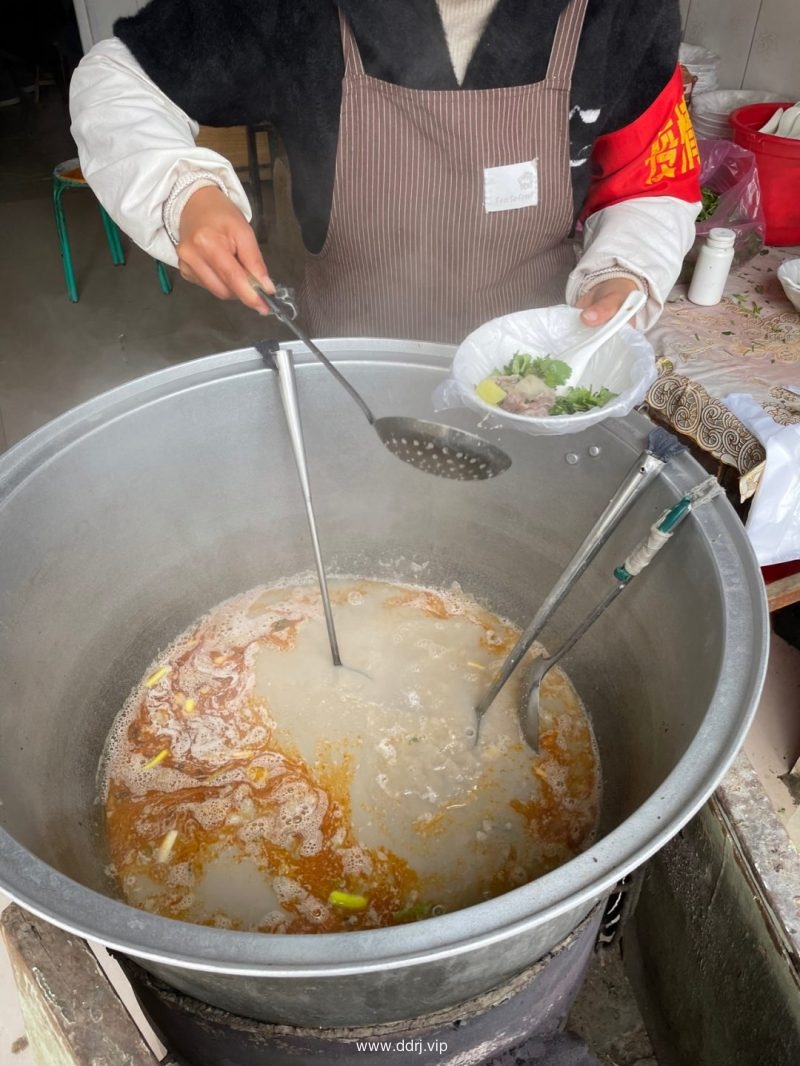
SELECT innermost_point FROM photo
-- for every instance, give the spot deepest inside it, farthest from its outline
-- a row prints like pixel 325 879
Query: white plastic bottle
pixel 712 267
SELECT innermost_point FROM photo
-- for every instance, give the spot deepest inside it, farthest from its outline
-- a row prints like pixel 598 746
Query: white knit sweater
pixel 138 153
pixel 464 22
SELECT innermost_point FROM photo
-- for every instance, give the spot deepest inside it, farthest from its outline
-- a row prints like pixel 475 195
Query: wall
pixel 756 40
pixel 96 17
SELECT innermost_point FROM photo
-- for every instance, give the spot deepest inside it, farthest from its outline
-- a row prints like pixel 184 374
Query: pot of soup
pixel 187 779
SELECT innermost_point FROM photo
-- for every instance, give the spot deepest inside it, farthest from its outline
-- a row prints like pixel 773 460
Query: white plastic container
pixel 712 267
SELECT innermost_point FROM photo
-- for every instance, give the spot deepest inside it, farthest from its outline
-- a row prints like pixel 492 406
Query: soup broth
pixel 248 783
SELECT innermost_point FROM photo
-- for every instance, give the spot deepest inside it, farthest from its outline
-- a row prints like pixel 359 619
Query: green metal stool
pixel 68 176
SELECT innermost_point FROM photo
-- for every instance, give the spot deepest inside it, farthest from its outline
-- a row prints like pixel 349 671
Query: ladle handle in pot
pixel 288 390
pixel 285 312
pixel 658 536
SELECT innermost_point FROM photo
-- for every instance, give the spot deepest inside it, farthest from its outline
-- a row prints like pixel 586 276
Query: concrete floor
pixel 54 355
pixel 773 743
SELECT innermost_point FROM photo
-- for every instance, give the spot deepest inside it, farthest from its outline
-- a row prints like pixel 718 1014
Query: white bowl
pixel 710 110
pixel 789 277
pixel 718 103
pixel 625 364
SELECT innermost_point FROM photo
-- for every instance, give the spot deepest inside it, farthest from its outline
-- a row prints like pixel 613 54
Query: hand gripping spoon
pixel 579 355
pixel 659 535
pixel 429 446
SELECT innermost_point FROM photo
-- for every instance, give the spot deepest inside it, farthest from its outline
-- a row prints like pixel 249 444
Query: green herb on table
pixel 581 398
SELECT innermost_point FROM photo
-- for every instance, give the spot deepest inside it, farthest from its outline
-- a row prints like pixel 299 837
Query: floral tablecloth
pixel 748 343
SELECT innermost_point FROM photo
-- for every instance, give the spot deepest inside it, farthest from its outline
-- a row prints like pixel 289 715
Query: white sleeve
pixel 646 238
pixel 136 147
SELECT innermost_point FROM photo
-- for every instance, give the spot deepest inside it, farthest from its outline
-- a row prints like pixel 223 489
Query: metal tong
pixel 661 446
pixel 659 535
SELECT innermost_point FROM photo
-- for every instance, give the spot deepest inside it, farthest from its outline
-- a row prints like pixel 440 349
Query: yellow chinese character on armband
pixel 663 158
pixel 690 154
pixel 674 151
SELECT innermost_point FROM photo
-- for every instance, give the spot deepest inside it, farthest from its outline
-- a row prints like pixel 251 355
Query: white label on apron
pixel 508 188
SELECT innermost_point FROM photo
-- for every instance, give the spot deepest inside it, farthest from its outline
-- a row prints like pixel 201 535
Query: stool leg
pixel 63 242
pixel 163 278
pixel 112 236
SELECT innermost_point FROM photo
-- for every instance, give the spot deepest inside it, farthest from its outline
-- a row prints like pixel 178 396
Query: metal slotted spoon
pixel 429 446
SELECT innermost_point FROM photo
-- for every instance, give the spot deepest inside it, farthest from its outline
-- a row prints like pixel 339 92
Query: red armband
pixel 656 155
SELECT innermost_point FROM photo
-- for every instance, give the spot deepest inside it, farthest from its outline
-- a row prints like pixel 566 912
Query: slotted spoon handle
pixel 285 312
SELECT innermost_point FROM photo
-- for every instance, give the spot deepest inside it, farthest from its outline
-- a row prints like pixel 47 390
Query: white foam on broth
pixel 251 779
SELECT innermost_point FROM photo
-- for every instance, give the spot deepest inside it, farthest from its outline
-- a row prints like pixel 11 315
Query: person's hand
pixel 218 249
pixel 604 300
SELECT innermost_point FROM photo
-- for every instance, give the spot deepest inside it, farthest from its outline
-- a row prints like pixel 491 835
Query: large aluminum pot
pixel 128 517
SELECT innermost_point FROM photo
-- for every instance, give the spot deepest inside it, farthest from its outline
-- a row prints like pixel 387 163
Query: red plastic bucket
pixel 778 162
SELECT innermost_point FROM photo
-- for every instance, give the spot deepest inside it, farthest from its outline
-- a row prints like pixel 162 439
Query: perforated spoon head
pixel 429 446
pixel 441 450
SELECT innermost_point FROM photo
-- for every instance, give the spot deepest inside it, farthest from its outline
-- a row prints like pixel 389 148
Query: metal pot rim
pixel 84 912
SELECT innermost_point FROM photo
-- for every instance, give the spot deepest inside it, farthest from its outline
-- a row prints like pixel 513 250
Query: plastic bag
pixel 730 171
pixel 626 364
pixel 701 64
pixel 773 524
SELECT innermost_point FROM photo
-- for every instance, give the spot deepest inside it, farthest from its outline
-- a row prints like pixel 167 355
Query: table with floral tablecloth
pixel 748 343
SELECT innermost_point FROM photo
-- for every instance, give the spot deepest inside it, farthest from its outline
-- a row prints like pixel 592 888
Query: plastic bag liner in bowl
pixel 626 364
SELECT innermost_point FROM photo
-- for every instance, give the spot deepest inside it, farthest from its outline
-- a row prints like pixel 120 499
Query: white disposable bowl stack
pixel 711 110
pixel 701 64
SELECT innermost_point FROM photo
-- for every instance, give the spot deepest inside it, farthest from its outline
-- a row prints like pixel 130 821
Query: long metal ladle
pixel 429 446
pixel 276 356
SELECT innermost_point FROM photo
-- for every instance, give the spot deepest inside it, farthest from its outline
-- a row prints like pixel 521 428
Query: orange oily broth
pixel 286 779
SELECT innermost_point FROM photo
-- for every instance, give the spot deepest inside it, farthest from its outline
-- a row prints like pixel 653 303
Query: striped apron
pixel 450 207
